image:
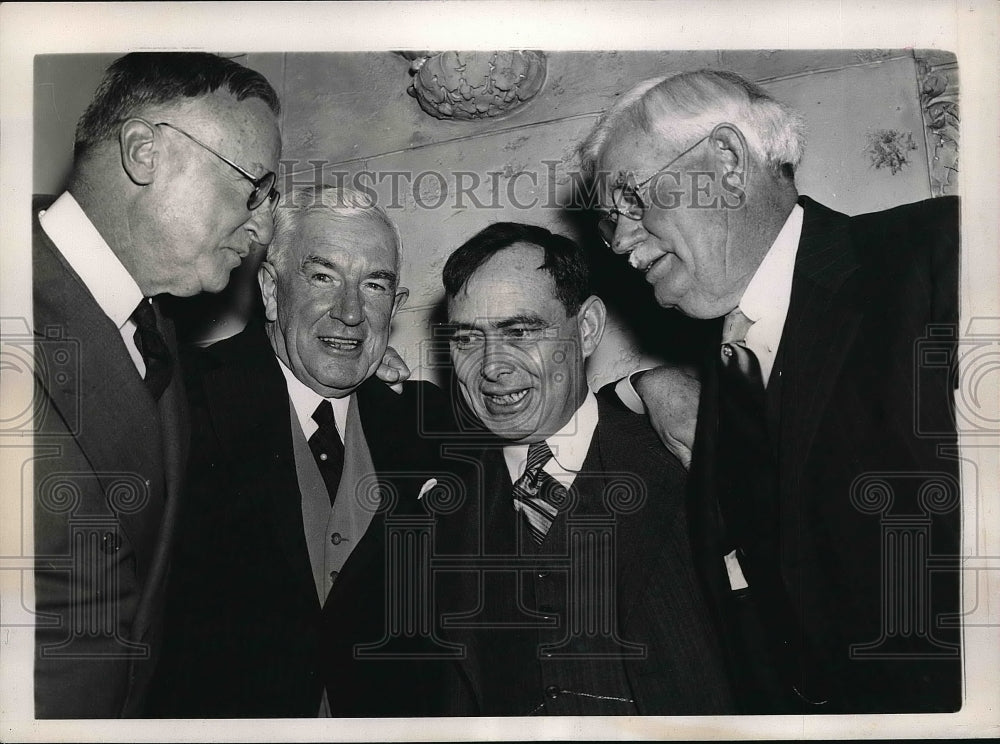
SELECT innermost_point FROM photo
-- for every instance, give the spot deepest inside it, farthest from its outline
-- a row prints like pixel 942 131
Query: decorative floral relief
pixel 939 102
pixel 475 85
pixel 889 148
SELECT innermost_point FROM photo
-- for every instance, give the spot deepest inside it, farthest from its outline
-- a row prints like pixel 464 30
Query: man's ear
pixel 399 300
pixel 267 278
pixel 140 153
pixel 590 320
pixel 730 149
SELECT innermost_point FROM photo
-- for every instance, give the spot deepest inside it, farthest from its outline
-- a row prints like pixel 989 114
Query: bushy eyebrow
pixel 312 258
pixel 389 276
pixel 514 320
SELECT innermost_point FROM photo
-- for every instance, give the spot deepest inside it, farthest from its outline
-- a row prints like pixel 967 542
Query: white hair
pixel 683 107
pixel 340 203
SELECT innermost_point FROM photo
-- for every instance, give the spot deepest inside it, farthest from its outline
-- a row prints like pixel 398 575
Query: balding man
pixel 172 183
pixel 820 436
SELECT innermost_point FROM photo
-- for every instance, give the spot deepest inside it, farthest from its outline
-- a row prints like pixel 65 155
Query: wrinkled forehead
pixel 627 155
pixel 509 284
pixel 359 232
pixel 228 124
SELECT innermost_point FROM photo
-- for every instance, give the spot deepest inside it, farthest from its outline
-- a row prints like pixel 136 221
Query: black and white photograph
pixel 494 371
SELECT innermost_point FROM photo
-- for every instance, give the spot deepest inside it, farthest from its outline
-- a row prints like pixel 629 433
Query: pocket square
pixel 426 487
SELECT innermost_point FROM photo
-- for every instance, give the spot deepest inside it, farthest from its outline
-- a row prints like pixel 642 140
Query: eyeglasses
pixel 263 187
pixel 628 203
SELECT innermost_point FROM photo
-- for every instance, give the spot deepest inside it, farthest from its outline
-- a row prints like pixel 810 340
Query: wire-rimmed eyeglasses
pixel 628 202
pixel 263 187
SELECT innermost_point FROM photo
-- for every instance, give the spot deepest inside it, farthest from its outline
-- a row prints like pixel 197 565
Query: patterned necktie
pixel 537 495
pixel 153 348
pixel 327 448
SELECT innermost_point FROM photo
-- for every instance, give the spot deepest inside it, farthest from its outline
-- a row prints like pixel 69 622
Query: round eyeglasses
pixel 263 187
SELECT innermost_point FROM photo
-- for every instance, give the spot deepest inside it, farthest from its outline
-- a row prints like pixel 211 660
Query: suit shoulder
pixel 931 222
pixel 631 434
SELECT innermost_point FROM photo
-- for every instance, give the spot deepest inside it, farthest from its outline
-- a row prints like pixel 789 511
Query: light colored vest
pixel 333 533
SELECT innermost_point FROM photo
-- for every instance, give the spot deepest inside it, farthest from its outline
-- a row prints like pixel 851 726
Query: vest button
pixel 551 692
pixel 542 574
pixel 336 538
pixel 323 456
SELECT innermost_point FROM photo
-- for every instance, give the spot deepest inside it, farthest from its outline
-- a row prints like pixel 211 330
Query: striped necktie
pixel 537 495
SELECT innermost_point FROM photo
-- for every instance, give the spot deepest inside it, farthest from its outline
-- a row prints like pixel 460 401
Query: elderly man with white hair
pixel 299 455
pixel 826 503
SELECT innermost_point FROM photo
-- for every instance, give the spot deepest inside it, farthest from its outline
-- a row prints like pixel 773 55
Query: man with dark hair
pixel 589 604
pixel 172 184
pixel 820 436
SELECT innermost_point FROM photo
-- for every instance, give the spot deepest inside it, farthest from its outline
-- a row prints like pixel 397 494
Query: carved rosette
pixel 475 85
pixel 938 80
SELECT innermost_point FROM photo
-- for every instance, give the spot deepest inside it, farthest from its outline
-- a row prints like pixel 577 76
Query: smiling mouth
pixel 507 399
pixel 338 343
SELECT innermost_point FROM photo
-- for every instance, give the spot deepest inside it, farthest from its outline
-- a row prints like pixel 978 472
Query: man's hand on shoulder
pixel 393 370
pixel 670 395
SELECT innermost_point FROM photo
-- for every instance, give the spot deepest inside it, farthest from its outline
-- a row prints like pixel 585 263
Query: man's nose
pixel 261 223
pixel 496 359
pixel 347 305
pixel 628 234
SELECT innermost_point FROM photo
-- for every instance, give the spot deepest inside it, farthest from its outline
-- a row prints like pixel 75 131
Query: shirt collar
pixel 569 445
pixel 89 255
pixel 305 400
pixel 765 300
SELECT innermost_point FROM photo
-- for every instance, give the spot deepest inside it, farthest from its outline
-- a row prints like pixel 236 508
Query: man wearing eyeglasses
pixel 820 425
pixel 172 184
pixel 589 604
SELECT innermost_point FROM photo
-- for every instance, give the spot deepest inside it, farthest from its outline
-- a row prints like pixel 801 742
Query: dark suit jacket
pixel 247 636
pixel 860 412
pixel 109 462
pixel 658 601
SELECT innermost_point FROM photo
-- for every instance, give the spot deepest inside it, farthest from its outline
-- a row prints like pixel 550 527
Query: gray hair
pixel 341 203
pixel 683 107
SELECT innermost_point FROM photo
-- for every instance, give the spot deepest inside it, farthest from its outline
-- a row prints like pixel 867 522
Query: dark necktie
pixel 746 461
pixel 537 494
pixel 153 348
pixel 327 448
pixel 748 498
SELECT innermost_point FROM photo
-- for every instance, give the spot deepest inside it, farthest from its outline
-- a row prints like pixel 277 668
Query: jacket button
pixel 542 574
pixel 336 538
pixel 334 575
pixel 110 543
pixel 551 692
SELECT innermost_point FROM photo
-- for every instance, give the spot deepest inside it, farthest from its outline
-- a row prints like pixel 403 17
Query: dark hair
pixel 144 78
pixel 565 261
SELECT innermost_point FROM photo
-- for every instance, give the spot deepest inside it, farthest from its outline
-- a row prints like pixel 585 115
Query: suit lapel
pixel 821 324
pixel 248 404
pixel 173 412
pixel 119 440
pixel 623 451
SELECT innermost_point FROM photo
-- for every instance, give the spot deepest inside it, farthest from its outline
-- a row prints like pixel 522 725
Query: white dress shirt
pixel 765 300
pixel 104 276
pixel 569 446
pixel 305 400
